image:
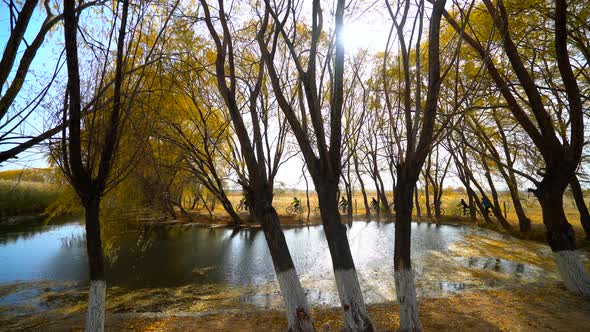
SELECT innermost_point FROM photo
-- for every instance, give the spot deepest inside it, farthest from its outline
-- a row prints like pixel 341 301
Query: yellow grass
pixel 25 197
pixel 449 200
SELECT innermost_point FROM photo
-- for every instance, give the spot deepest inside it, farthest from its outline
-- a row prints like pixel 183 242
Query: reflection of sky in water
pixel 48 252
pixel 173 256
pixel 446 259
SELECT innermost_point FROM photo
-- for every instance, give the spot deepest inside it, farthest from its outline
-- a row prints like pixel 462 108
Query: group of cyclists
pixel 343 204
pixel 296 207
pixel 485 202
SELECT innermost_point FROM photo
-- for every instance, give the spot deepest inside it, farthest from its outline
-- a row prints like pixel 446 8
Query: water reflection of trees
pixel 515 269
pixel 73 241
pixel 167 256
pixel 11 233
pixel 69 262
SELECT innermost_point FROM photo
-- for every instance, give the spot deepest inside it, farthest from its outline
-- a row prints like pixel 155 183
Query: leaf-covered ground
pixel 537 307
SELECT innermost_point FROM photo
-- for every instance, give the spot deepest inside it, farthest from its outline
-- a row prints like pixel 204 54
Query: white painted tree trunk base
pixel 572 272
pixel 298 313
pixel 356 317
pixel 406 297
pixel 96 306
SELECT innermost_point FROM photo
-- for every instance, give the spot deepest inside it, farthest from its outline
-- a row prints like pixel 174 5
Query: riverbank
pixel 26 192
pixel 457 269
pixel 538 307
pixel 221 219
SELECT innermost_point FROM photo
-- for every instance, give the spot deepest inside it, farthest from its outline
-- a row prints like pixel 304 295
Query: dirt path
pixel 540 307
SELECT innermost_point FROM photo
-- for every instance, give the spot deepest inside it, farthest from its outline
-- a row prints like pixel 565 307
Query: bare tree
pixel 261 171
pixel 561 157
pixel 322 157
pixel 14 116
pixel 418 130
pixel 90 187
pixel 436 173
pixel 89 148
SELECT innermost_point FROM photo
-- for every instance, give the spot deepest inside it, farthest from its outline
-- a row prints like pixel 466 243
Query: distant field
pixel 30 192
pixel 25 197
pixel 450 200
pixel 26 192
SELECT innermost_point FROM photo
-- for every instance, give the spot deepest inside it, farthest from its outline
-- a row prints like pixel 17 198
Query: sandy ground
pixel 542 307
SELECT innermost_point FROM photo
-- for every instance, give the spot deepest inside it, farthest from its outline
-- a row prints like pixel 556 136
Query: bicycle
pixel 374 208
pixel 294 209
pixel 343 208
pixel 242 207
pixel 460 212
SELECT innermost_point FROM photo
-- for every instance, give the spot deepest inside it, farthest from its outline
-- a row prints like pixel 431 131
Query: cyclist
pixel 464 205
pixel 374 204
pixel 486 204
pixel 244 203
pixel 296 203
pixel 343 203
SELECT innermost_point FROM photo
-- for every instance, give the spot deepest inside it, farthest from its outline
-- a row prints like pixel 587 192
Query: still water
pixel 446 259
pixel 177 255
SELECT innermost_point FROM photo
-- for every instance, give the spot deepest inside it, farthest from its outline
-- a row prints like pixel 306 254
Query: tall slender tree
pixel 418 124
pixel 259 186
pixel 89 183
pixel 322 157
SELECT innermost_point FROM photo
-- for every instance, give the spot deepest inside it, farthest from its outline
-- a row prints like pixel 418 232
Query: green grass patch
pixel 25 197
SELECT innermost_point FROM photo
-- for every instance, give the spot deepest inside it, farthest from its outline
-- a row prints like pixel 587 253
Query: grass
pixel 450 200
pixel 25 197
pixel 26 192
pixel 29 174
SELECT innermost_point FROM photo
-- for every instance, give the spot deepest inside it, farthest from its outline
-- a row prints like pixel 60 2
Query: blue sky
pixel 360 32
pixel 42 67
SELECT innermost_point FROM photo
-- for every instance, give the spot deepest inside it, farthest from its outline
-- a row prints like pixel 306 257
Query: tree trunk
pixel 417 202
pixel 356 316
pixel 560 236
pixel 298 313
pixel 581 204
pixel 348 190
pixel 496 209
pixel 169 207
pixel 379 202
pixel 483 194
pixel 228 207
pixel 96 295
pixel 439 195
pixel 182 210
pixel 436 202
pixel 306 195
pixel 475 201
pixel 472 207
pixel 427 194
pixel 462 172
pixel 524 223
pixel 404 276
pixel 384 200
pixel 362 183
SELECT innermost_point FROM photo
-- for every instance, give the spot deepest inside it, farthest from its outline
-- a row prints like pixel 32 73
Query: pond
pixel 446 259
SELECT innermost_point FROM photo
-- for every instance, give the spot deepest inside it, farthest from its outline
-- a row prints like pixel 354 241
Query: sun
pixel 362 35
